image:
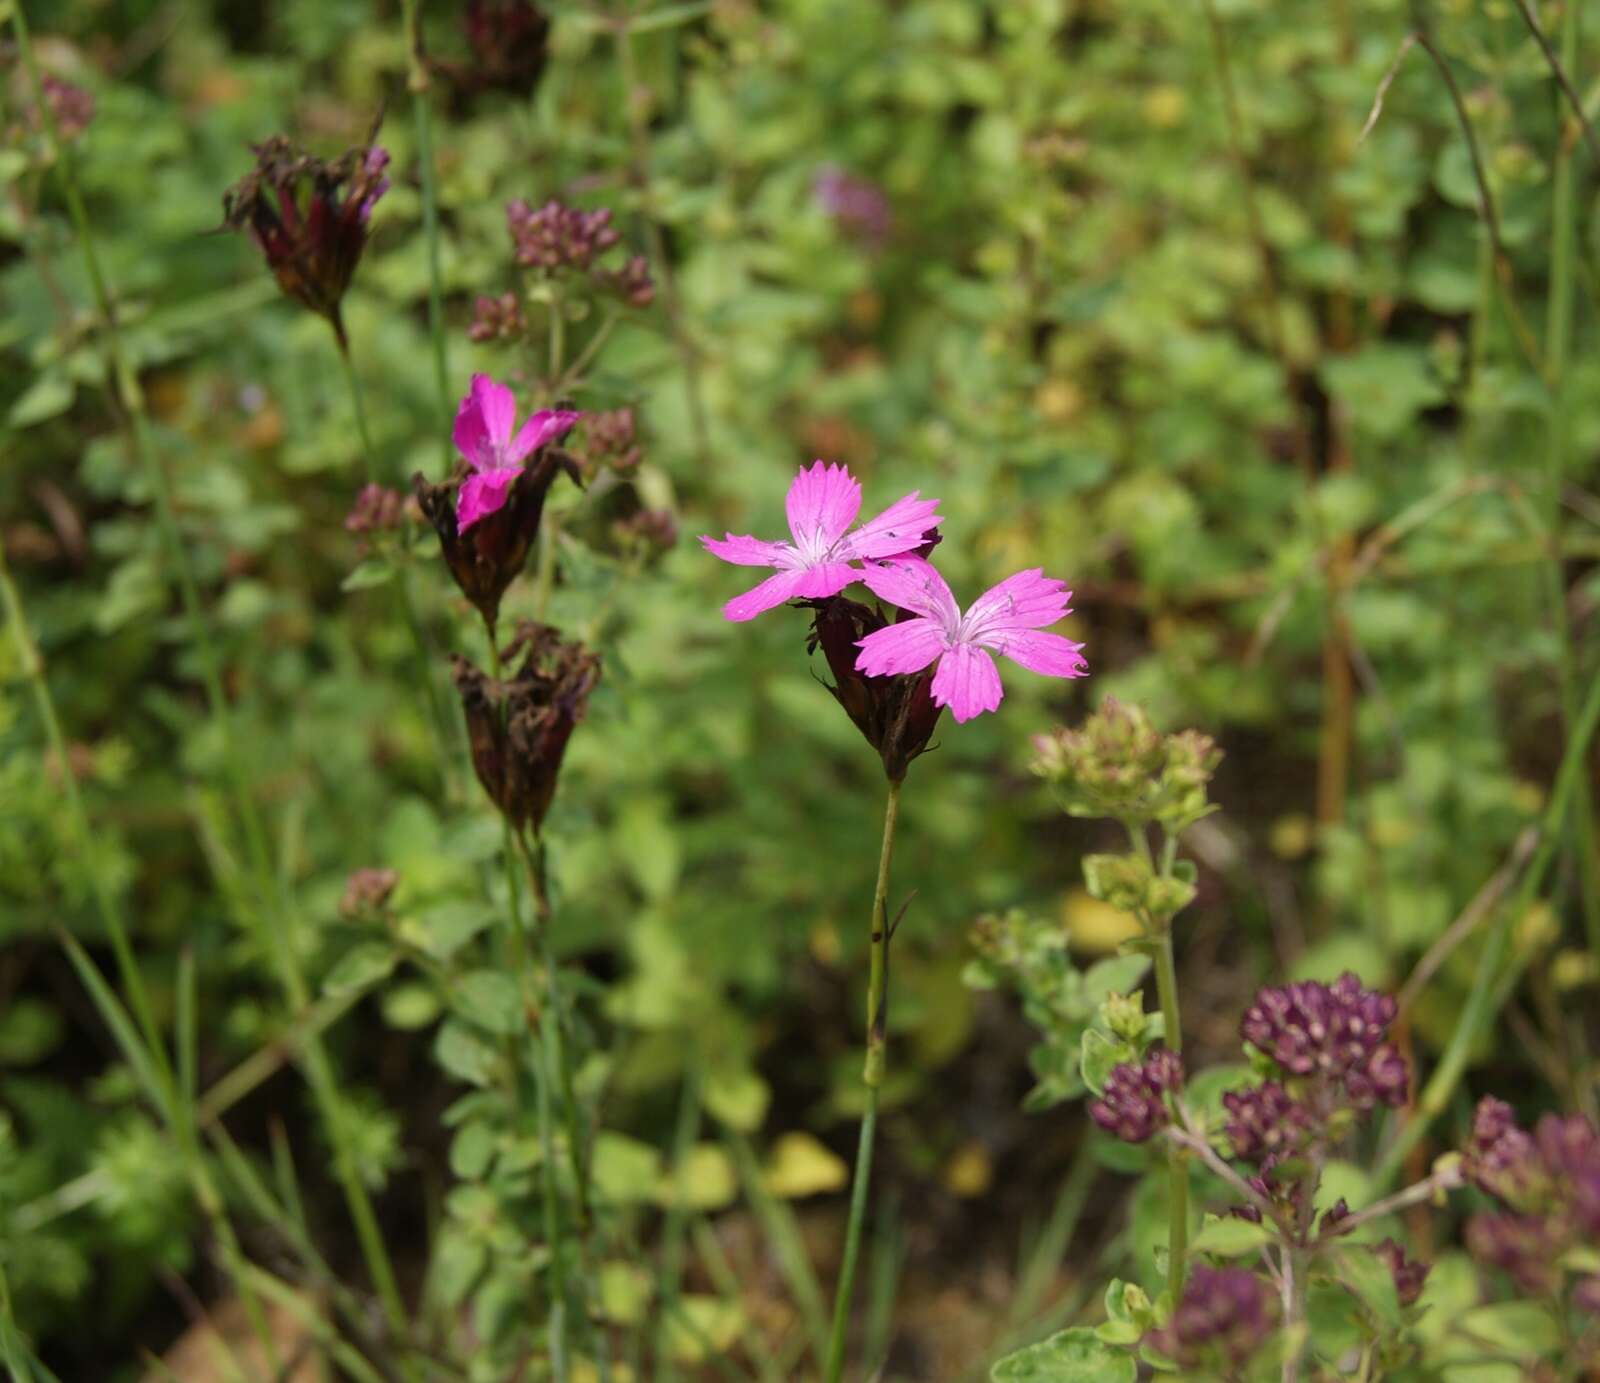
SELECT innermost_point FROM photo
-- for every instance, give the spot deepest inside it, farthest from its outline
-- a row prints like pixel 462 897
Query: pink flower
pixel 822 503
pixel 1007 618
pixel 483 436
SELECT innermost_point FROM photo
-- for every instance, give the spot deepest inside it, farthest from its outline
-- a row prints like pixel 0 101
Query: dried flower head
pixel 631 283
pixel 858 207
pixel 366 891
pixel 497 319
pixel 1133 1104
pixel 1335 1032
pixel 1117 765
pixel 1223 1318
pixel 519 726
pixel 557 236
pixel 377 509
pixel 507 39
pixel 309 217
pixel 1409 1275
pixel 610 439
pixel 895 714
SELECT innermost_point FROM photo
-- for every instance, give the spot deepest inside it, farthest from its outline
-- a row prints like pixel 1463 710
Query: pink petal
pixel 822 502
pixel 470 435
pixel 1028 600
pixel 745 551
pixel 905 647
pixel 1037 651
pixel 773 591
pixel 498 406
pixel 824 579
pixel 542 427
pixel 481 494
pixel 904 525
pixel 967 682
pixel 913 585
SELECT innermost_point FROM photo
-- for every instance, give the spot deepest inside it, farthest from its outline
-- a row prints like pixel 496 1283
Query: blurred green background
pixel 1141 302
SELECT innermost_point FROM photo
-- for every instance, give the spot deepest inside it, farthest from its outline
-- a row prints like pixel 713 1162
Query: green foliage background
pixel 1192 363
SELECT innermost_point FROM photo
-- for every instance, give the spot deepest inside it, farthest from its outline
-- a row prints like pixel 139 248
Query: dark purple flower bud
pixel 1334 1217
pixel 507 39
pixel 610 439
pixel 1335 1031
pixel 1409 1276
pixel 1133 1106
pixel 377 509
pixel 858 207
pixel 497 319
pixel 72 106
pixel 518 727
pixel 1528 1247
pixel 895 715
pixel 1223 1318
pixel 489 555
pixel 632 283
pixel 1502 1159
pixel 366 891
pixel 558 236
pixel 1265 1122
pixel 309 217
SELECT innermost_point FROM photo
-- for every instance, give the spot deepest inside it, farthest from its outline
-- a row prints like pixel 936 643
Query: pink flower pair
pixel 824 556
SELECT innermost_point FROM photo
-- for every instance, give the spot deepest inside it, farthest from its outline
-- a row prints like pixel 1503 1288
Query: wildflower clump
pixel 309 218
pixel 1133 1102
pixel 1220 1323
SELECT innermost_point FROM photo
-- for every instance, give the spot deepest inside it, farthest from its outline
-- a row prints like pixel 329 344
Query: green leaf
pixel 47 397
pixel 464 1055
pixel 1071 1356
pixel 361 967
pixel 1098 1055
pixel 738 1097
pixel 1368 1278
pixel 1227 1236
pixel 472 1150
pixel 444 928
pixel 625 1170
pixel 492 1001
pixel 375 571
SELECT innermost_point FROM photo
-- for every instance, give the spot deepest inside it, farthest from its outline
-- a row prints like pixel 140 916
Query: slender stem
pixel 278 930
pixel 672 1236
pixel 1177 1163
pixel 557 1327
pixel 872 1075
pixel 639 133
pixel 1294 1308
pixel 1184 1137
pixel 1447 1178
pixel 1488 991
pixel 1560 66
pixel 418 81
pixel 174 1104
pixel 1558 346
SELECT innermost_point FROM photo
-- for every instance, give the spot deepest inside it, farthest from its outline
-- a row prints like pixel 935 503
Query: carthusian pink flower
pixel 483 435
pixel 1008 618
pixel 821 504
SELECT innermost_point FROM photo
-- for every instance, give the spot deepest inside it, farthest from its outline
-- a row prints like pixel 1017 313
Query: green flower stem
pixel 419 82
pixel 872 1075
pixel 1489 993
pixel 449 746
pixel 669 1287
pixel 278 931
pixel 1159 934
pixel 1558 346
pixel 174 1104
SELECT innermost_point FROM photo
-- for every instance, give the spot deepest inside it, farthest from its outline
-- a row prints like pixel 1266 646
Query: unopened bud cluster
pixel 1222 1320
pixel 1119 766
pixel 1133 1104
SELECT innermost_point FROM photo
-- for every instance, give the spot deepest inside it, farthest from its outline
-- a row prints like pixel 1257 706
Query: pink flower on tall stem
pixel 483 436
pixel 822 503
pixel 1008 618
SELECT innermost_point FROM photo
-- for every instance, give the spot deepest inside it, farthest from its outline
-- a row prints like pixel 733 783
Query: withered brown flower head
pixel 519 726
pixel 507 39
pixel 309 217
pixel 488 557
pixel 896 715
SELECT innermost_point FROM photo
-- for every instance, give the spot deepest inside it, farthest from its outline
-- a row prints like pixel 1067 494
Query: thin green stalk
pixel 174 1103
pixel 418 81
pixel 1558 346
pixel 126 386
pixel 1177 1162
pixel 1484 1001
pixel 558 1257
pixel 639 135
pixel 872 1075
pixel 672 1236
